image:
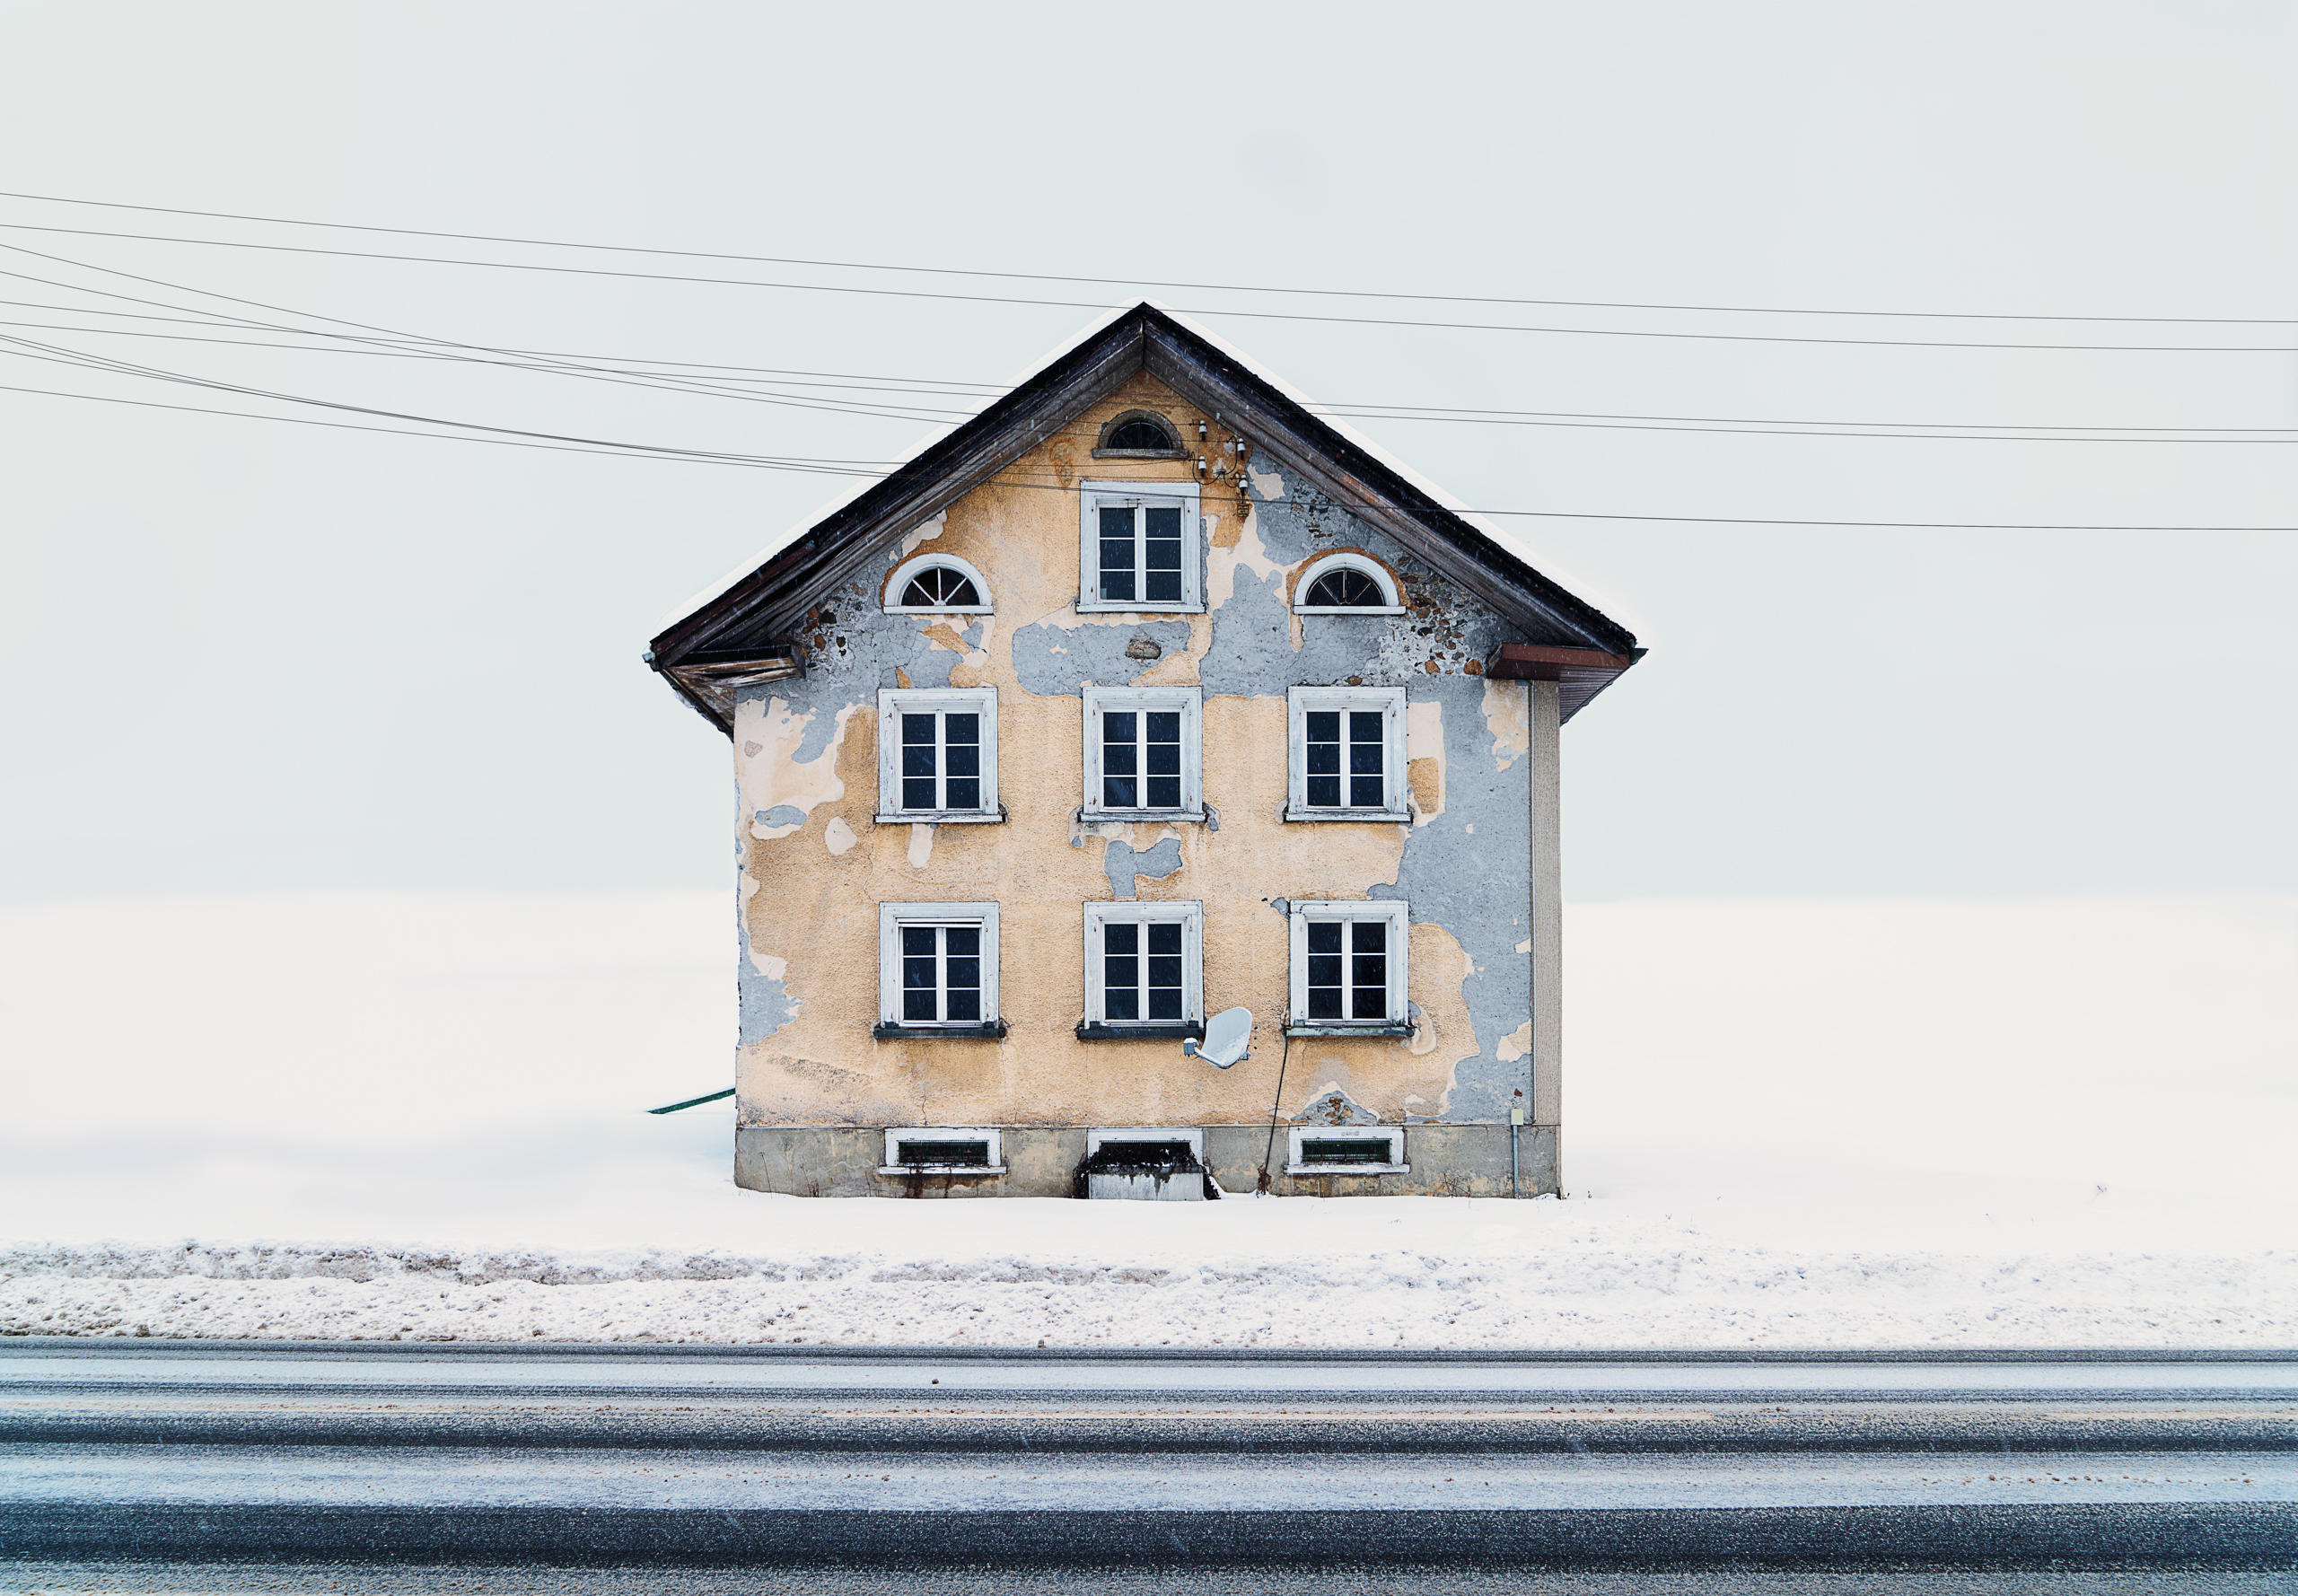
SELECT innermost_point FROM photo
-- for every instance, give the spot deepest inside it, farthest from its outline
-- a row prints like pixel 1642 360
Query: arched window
pixel 938 584
pixel 1138 433
pixel 1346 584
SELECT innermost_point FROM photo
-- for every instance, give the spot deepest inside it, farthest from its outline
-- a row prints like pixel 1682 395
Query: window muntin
pixel 940 975
pixel 1138 547
pixel 1144 751
pixel 1145 434
pixel 1348 964
pixel 938 584
pixel 937 966
pixel 1145 964
pixel 1343 583
pixel 1347 754
pixel 937 754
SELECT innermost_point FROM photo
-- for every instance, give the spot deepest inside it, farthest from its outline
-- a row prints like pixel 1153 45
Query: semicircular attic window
pixel 938 584
pixel 1139 434
pixel 1346 584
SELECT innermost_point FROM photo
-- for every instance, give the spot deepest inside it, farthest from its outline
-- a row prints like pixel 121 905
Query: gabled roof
pixel 744 633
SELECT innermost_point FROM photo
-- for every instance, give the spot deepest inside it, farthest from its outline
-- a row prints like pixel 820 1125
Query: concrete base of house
pixel 1042 1161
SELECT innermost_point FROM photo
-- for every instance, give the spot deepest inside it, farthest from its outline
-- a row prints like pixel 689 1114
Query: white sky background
pixel 248 655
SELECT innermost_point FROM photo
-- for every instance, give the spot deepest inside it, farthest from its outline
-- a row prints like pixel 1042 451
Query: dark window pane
pixel 1165 1003
pixel 1121 1003
pixel 918 1005
pixel 1164 587
pixel 959 590
pixel 960 728
pixel 1164 793
pixel 917 940
pixel 1120 936
pixel 917 972
pixel 965 1007
pixel 1165 971
pixel 1369 936
pixel 1164 526
pixel 918 792
pixel 965 760
pixel 1117 581
pixel 1118 792
pixel 916 759
pixel 1367 792
pixel 1324 1003
pixel 1371 1003
pixel 1324 758
pixel 1324 937
pixel 1365 727
pixel 1165 726
pixel 1364 759
pixel 1324 792
pixel 1371 969
pixel 962 792
pixel 963 939
pixel 963 972
pixel 1324 725
pixel 1164 938
pixel 918 728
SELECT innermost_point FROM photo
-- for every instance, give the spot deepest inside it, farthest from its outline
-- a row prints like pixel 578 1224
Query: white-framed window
pixel 1347 754
pixel 938 584
pixel 1145 752
pixel 1145 968
pixel 1154 1136
pixel 1347 1149
pixel 1346 583
pixel 944 1150
pixel 937 754
pixel 1140 547
pixel 937 968
pixel 1348 967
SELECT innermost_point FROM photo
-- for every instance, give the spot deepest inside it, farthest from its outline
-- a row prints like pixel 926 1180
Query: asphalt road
pixel 182 1466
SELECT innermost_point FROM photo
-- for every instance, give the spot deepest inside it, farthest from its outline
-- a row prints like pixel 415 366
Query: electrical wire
pixel 1157 282
pixel 1602 332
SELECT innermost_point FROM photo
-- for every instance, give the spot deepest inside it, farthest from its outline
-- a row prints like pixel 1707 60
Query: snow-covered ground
pixel 2070 1123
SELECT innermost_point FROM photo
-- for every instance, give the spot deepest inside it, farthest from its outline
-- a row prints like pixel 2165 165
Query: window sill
pixel 1154 1031
pixel 941 1169
pixel 1309 1028
pixel 952 817
pixel 947 610
pixel 1085 609
pixel 887 1030
pixel 1386 816
pixel 1367 610
pixel 1348 1169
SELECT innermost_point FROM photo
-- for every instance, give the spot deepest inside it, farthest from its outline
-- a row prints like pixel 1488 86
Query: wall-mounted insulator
pixel 1201 465
pixel 1200 428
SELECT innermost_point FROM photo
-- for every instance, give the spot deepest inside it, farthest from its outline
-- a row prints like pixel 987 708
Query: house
pixel 1145 694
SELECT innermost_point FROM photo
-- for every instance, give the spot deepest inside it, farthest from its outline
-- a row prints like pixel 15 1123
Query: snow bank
pixel 2033 1124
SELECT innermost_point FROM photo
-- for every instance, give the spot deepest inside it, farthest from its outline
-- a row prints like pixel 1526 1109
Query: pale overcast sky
pixel 244 655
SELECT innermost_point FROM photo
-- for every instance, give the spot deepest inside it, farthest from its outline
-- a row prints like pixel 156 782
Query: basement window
pixel 1145 970
pixel 1347 753
pixel 937 969
pixel 1348 1150
pixel 939 1150
pixel 1138 547
pixel 937 755
pixel 1145 752
pixel 1348 968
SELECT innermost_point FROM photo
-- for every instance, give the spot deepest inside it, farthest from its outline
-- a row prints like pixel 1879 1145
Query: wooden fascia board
pixel 1454 547
pixel 774 600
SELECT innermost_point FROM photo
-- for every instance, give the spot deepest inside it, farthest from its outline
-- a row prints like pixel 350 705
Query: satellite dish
pixel 1225 1039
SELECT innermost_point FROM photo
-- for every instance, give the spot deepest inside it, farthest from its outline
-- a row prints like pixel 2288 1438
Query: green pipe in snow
pixel 690 1102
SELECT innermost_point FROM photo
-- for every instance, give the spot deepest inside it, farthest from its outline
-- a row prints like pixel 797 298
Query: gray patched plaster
pixel 781 814
pixel 1056 661
pixel 764 1003
pixel 1123 864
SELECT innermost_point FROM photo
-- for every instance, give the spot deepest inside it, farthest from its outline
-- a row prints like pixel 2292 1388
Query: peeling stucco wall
pixel 813 864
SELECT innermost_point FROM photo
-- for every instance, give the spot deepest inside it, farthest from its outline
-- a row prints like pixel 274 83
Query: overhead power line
pixel 1081 304
pixel 1154 282
pixel 802 464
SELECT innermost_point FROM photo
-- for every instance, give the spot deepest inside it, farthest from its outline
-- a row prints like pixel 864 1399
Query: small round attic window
pixel 1138 433
pixel 1348 584
pixel 938 583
